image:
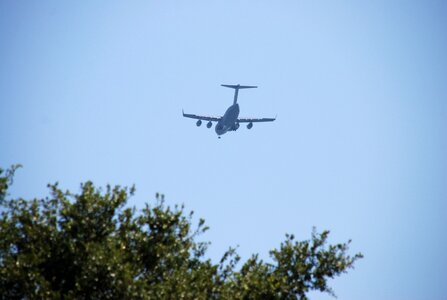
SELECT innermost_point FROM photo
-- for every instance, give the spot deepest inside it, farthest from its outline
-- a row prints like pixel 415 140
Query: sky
pixel 94 90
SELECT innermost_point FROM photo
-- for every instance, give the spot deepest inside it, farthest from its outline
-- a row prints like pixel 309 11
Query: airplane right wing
pixel 253 120
pixel 203 118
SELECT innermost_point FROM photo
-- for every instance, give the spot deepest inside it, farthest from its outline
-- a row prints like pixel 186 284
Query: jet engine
pixel 209 124
pixel 250 125
pixel 236 126
pixel 199 122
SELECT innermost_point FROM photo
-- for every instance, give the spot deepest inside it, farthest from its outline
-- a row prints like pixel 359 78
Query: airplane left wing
pixel 203 118
pixel 254 120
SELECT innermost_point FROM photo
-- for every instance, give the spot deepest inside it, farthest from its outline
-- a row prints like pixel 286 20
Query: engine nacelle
pixel 199 122
pixel 209 124
pixel 250 125
pixel 236 126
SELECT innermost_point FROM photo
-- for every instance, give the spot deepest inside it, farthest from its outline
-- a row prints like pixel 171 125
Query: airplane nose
pixel 218 129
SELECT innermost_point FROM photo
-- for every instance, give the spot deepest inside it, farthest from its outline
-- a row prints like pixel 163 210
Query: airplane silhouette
pixel 230 121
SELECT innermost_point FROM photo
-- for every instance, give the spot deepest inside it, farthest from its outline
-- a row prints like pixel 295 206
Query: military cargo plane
pixel 230 120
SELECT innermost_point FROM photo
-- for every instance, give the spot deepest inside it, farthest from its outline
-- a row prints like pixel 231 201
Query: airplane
pixel 230 120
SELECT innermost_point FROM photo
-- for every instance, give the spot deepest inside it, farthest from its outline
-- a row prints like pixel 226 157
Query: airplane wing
pixel 254 120
pixel 204 118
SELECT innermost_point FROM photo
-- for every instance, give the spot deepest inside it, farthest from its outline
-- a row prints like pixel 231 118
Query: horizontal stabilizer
pixel 238 86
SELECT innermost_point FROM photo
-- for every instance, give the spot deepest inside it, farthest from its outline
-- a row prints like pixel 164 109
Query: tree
pixel 91 246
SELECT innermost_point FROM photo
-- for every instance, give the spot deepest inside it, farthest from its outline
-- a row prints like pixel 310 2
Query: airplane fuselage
pixel 228 121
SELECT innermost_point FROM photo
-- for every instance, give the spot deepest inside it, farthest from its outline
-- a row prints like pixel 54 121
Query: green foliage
pixel 91 246
pixel 6 181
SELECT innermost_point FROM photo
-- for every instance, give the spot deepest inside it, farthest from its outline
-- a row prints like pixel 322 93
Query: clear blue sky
pixel 95 89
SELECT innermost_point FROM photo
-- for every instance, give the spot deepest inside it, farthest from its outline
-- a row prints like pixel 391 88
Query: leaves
pixel 6 180
pixel 90 245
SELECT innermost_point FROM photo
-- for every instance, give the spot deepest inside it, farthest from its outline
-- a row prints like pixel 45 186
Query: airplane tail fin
pixel 237 88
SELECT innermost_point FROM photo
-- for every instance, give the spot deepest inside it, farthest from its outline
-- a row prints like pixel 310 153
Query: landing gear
pixel 218 137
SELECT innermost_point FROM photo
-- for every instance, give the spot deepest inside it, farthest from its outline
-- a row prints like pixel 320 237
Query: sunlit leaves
pixel 91 246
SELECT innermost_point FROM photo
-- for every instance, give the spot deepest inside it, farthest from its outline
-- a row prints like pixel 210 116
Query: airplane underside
pixel 230 121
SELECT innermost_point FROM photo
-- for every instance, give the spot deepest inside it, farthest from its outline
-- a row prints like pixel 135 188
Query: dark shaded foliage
pixel 91 246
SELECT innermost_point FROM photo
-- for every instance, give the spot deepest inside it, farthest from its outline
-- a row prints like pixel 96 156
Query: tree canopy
pixel 91 245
